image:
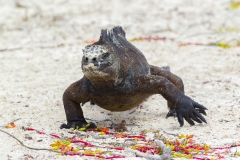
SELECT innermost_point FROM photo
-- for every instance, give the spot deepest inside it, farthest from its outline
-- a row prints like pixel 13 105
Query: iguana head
pixel 112 57
pixel 99 62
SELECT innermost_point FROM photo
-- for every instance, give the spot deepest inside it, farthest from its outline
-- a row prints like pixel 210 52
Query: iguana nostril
pixel 86 59
pixel 94 59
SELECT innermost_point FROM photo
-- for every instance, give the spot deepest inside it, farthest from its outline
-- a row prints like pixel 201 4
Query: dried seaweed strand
pixel 25 145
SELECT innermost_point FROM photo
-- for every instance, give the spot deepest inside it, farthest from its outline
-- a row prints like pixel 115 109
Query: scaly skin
pixel 117 77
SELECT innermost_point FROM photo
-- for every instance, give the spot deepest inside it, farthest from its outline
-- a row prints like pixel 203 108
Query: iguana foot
pixel 77 124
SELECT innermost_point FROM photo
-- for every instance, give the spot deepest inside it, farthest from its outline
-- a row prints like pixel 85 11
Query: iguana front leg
pixel 177 81
pixel 74 95
pixel 185 107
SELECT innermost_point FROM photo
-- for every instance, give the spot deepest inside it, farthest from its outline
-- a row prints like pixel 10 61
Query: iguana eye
pixel 105 55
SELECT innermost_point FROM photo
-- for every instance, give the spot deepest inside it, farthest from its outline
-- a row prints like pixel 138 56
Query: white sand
pixel 34 76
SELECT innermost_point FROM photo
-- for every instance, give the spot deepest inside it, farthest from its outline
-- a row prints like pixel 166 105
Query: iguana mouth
pixel 96 65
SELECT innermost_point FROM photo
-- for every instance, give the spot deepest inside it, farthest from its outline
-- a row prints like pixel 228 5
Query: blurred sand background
pixel 41 46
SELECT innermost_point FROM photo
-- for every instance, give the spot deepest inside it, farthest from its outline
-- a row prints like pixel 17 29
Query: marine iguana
pixel 117 77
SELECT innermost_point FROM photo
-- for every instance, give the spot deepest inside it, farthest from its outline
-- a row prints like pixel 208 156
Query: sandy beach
pixel 41 46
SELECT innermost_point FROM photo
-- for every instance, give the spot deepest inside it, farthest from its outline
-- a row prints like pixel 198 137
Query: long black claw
pixel 63 126
pixel 189 120
pixel 198 115
pixel 202 111
pixel 199 106
pixel 171 113
pixel 195 118
pixel 180 119
pixel 92 125
pixel 204 120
